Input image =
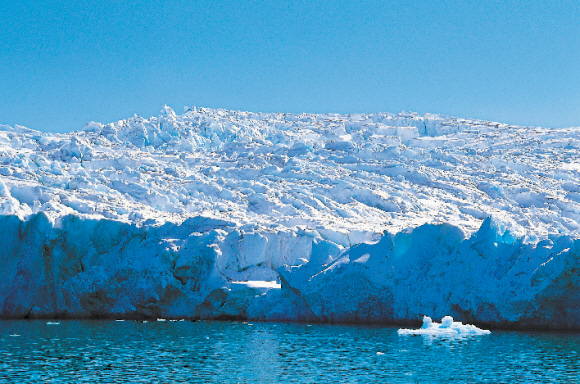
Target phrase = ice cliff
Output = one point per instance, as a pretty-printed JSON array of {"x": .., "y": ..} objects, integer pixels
[{"x": 228, "y": 214}]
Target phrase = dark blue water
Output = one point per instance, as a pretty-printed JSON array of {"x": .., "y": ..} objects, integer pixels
[{"x": 230, "y": 352}]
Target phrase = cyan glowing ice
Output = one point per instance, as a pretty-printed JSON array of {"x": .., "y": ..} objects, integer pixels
[
  {"x": 447, "y": 327},
  {"x": 228, "y": 214}
]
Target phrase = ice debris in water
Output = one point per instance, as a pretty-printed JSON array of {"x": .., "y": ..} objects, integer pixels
[{"x": 447, "y": 327}]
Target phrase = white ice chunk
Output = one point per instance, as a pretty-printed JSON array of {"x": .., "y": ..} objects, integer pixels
[{"x": 447, "y": 327}]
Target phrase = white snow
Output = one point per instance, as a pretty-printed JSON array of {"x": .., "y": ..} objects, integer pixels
[
  {"x": 344, "y": 174},
  {"x": 229, "y": 214},
  {"x": 447, "y": 327},
  {"x": 258, "y": 284}
]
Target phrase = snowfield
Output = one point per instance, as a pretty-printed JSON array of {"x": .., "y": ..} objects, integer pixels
[{"x": 228, "y": 214}]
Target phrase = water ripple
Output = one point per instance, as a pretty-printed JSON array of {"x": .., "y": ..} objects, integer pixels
[{"x": 218, "y": 352}]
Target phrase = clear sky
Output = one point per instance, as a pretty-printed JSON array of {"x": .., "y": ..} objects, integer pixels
[{"x": 64, "y": 63}]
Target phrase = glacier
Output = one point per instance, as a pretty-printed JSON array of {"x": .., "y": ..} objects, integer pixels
[{"x": 217, "y": 214}]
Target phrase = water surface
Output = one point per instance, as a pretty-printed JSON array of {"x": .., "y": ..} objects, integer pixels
[{"x": 230, "y": 352}]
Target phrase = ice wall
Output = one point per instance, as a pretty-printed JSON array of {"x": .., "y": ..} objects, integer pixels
[
  {"x": 104, "y": 268},
  {"x": 204, "y": 268},
  {"x": 490, "y": 277}
]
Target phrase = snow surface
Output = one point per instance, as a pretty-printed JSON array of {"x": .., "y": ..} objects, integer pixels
[
  {"x": 228, "y": 214},
  {"x": 447, "y": 327}
]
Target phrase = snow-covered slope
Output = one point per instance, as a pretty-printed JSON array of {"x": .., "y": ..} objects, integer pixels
[{"x": 360, "y": 218}]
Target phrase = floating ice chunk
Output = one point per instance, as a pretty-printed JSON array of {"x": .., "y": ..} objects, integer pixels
[
  {"x": 447, "y": 327},
  {"x": 53, "y": 323}
]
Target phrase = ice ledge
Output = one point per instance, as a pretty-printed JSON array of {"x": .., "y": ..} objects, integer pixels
[{"x": 257, "y": 284}]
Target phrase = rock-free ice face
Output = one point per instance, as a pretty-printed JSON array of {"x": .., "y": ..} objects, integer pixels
[
  {"x": 447, "y": 327},
  {"x": 227, "y": 214}
]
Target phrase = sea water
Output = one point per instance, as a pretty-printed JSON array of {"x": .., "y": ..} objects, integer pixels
[{"x": 246, "y": 352}]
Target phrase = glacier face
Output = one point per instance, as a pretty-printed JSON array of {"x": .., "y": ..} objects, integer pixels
[{"x": 228, "y": 214}]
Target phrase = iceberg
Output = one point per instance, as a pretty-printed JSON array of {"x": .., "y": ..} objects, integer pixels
[
  {"x": 447, "y": 327},
  {"x": 217, "y": 214}
]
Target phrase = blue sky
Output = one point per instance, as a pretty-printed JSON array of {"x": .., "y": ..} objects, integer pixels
[{"x": 64, "y": 63}]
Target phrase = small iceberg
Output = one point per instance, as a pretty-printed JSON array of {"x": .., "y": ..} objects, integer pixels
[{"x": 447, "y": 327}]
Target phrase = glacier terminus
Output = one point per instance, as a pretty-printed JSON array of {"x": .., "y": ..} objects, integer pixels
[{"x": 217, "y": 214}]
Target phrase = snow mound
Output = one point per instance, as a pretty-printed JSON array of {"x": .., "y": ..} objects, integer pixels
[{"x": 447, "y": 327}]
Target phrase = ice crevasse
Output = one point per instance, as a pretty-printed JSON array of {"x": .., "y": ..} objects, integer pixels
[{"x": 217, "y": 214}]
